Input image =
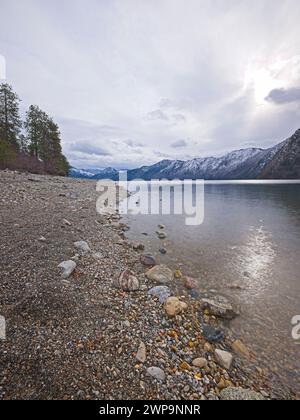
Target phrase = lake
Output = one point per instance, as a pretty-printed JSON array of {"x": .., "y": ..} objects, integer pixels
[{"x": 248, "y": 249}]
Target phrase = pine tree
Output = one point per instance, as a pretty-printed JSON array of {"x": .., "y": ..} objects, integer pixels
[
  {"x": 44, "y": 141},
  {"x": 10, "y": 122}
]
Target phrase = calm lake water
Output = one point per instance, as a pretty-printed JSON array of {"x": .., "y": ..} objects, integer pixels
[{"x": 251, "y": 238}]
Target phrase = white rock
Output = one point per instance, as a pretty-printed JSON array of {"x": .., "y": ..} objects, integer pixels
[
  {"x": 224, "y": 358},
  {"x": 156, "y": 373},
  {"x": 68, "y": 267},
  {"x": 82, "y": 246}
]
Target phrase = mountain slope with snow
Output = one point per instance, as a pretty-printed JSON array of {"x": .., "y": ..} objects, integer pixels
[{"x": 281, "y": 161}]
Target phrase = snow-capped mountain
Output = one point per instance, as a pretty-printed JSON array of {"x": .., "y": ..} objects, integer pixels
[
  {"x": 280, "y": 161},
  {"x": 81, "y": 173}
]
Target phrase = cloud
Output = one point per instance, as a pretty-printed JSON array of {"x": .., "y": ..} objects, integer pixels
[
  {"x": 89, "y": 149},
  {"x": 158, "y": 114},
  {"x": 284, "y": 96},
  {"x": 179, "y": 144},
  {"x": 119, "y": 97}
]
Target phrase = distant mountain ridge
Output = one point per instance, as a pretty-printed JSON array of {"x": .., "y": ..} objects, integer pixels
[{"x": 279, "y": 162}]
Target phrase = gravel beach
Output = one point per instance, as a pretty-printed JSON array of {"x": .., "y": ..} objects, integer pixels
[{"x": 90, "y": 329}]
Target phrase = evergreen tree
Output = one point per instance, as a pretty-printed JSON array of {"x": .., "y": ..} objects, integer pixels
[
  {"x": 10, "y": 122},
  {"x": 44, "y": 141}
]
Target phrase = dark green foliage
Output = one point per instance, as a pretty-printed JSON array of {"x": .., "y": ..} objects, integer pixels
[
  {"x": 10, "y": 122},
  {"x": 39, "y": 149}
]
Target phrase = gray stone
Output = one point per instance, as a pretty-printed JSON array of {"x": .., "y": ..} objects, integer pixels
[
  {"x": 160, "y": 274},
  {"x": 82, "y": 246},
  {"x": 161, "y": 292},
  {"x": 68, "y": 267},
  {"x": 240, "y": 394},
  {"x": 220, "y": 307},
  {"x": 156, "y": 373},
  {"x": 141, "y": 353}
]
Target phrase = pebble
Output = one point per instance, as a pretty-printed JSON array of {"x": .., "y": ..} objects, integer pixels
[
  {"x": 156, "y": 373},
  {"x": 82, "y": 246},
  {"x": 212, "y": 334},
  {"x": 224, "y": 358},
  {"x": 160, "y": 274},
  {"x": 68, "y": 267},
  {"x": 148, "y": 260},
  {"x": 220, "y": 307},
  {"x": 200, "y": 362},
  {"x": 174, "y": 306},
  {"x": 128, "y": 281},
  {"x": 141, "y": 353},
  {"x": 161, "y": 292},
  {"x": 240, "y": 349}
]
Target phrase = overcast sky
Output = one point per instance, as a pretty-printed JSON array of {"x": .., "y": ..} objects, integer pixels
[{"x": 131, "y": 82}]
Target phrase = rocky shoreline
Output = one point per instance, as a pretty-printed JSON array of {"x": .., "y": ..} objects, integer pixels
[{"x": 89, "y": 315}]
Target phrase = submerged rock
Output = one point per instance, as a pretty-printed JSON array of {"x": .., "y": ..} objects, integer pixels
[
  {"x": 240, "y": 349},
  {"x": 160, "y": 274},
  {"x": 161, "y": 292},
  {"x": 148, "y": 260},
  {"x": 212, "y": 335},
  {"x": 68, "y": 267},
  {"x": 163, "y": 251},
  {"x": 161, "y": 235},
  {"x": 220, "y": 307},
  {"x": 240, "y": 394}
]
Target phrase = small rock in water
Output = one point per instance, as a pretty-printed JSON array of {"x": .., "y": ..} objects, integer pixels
[
  {"x": 161, "y": 235},
  {"x": 161, "y": 227},
  {"x": 212, "y": 335},
  {"x": 163, "y": 251},
  {"x": 190, "y": 283},
  {"x": 240, "y": 394},
  {"x": 141, "y": 353},
  {"x": 82, "y": 246},
  {"x": 162, "y": 292},
  {"x": 156, "y": 373},
  {"x": 128, "y": 281},
  {"x": 148, "y": 260},
  {"x": 138, "y": 246},
  {"x": 224, "y": 358},
  {"x": 200, "y": 362},
  {"x": 160, "y": 274},
  {"x": 220, "y": 307},
  {"x": 68, "y": 267},
  {"x": 239, "y": 348}
]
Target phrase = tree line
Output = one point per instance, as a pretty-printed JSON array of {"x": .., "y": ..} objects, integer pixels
[{"x": 33, "y": 145}]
